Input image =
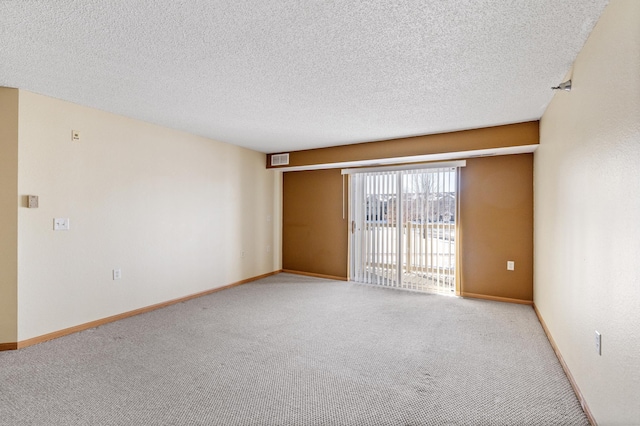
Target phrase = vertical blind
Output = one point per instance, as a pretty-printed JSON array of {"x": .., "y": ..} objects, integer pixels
[{"x": 404, "y": 228}]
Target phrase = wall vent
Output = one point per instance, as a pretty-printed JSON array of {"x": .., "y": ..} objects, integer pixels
[{"x": 280, "y": 159}]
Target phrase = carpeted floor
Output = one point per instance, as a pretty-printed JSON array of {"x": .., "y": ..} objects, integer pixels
[{"x": 291, "y": 350}]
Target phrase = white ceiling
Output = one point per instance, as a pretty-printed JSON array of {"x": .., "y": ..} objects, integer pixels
[{"x": 280, "y": 75}]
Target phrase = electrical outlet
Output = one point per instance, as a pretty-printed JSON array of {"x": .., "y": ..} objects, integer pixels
[
  {"x": 511, "y": 265},
  {"x": 598, "y": 343},
  {"x": 117, "y": 274},
  {"x": 61, "y": 224}
]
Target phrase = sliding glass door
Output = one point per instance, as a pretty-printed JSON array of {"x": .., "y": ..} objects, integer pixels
[{"x": 403, "y": 228}]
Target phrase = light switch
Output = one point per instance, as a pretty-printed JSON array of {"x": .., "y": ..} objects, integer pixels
[
  {"x": 511, "y": 265},
  {"x": 61, "y": 224},
  {"x": 33, "y": 202},
  {"x": 75, "y": 136}
]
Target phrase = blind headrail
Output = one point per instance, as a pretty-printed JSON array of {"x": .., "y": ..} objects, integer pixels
[{"x": 438, "y": 165}]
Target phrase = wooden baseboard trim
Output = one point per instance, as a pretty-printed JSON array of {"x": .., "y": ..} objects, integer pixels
[
  {"x": 96, "y": 323},
  {"x": 574, "y": 385},
  {"x": 12, "y": 346},
  {"x": 496, "y": 298},
  {"x": 311, "y": 274}
]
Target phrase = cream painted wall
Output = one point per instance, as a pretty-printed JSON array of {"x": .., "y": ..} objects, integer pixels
[
  {"x": 587, "y": 217},
  {"x": 8, "y": 214},
  {"x": 172, "y": 210}
]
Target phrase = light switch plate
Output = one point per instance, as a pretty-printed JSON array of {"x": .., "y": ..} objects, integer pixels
[
  {"x": 33, "y": 202},
  {"x": 61, "y": 224},
  {"x": 75, "y": 136},
  {"x": 511, "y": 265}
]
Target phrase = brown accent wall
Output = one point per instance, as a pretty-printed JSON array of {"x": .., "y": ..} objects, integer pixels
[
  {"x": 496, "y": 225},
  {"x": 466, "y": 140},
  {"x": 496, "y": 217},
  {"x": 314, "y": 233},
  {"x": 8, "y": 215}
]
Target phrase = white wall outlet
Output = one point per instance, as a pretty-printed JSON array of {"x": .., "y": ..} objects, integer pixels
[
  {"x": 598, "y": 343},
  {"x": 117, "y": 274},
  {"x": 511, "y": 265},
  {"x": 61, "y": 224}
]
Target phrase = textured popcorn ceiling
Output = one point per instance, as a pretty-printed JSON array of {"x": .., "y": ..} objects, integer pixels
[{"x": 279, "y": 75}]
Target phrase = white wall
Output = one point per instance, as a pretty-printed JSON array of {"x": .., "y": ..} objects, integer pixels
[
  {"x": 172, "y": 210},
  {"x": 587, "y": 217}
]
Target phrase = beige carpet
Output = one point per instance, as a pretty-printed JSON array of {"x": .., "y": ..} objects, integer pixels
[{"x": 290, "y": 350}]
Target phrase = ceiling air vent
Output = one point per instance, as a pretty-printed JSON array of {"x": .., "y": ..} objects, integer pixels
[{"x": 280, "y": 159}]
